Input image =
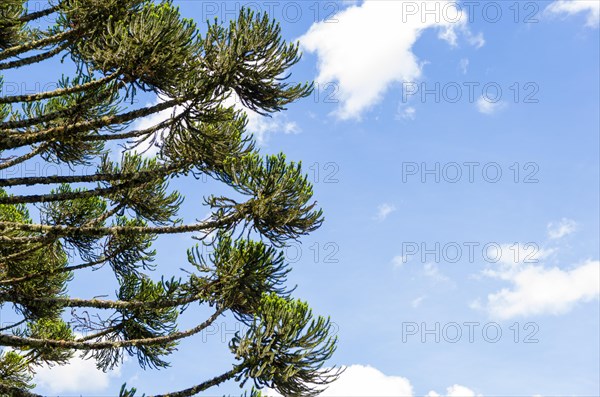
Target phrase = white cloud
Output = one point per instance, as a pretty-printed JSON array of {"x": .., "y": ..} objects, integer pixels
[
  {"x": 78, "y": 375},
  {"x": 561, "y": 229},
  {"x": 383, "y": 211},
  {"x": 476, "y": 40},
  {"x": 455, "y": 391},
  {"x": 464, "y": 65},
  {"x": 486, "y": 106},
  {"x": 571, "y": 7},
  {"x": 361, "y": 381},
  {"x": 399, "y": 260},
  {"x": 407, "y": 113},
  {"x": 364, "y": 380},
  {"x": 512, "y": 255},
  {"x": 431, "y": 270},
  {"x": 367, "y": 60},
  {"x": 415, "y": 303},
  {"x": 537, "y": 290}
]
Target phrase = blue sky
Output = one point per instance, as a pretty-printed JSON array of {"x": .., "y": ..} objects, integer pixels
[{"x": 456, "y": 157}]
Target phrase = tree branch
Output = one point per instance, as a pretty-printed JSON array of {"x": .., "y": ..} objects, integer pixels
[
  {"x": 25, "y": 157},
  {"x": 58, "y": 231},
  {"x": 133, "y": 180},
  {"x": 13, "y": 139},
  {"x": 39, "y": 14},
  {"x": 54, "y": 179},
  {"x": 61, "y": 91},
  {"x": 33, "y": 343},
  {"x": 85, "y": 104},
  {"x": 32, "y": 276},
  {"x": 16, "y": 392},
  {"x": 217, "y": 380},
  {"x": 30, "y": 45},
  {"x": 108, "y": 304},
  {"x": 35, "y": 58},
  {"x": 13, "y": 325}
]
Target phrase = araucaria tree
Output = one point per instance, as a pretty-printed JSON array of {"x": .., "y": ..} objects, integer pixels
[{"x": 54, "y": 225}]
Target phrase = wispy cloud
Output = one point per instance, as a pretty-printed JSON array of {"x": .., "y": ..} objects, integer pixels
[
  {"x": 564, "y": 227},
  {"x": 572, "y": 7},
  {"x": 407, "y": 113},
  {"x": 399, "y": 261},
  {"x": 431, "y": 270},
  {"x": 383, "y": 211},
  {"x": 415, "y": 303},
  {"x": 464, "y": 65},
  {"x": 488, "y": 107}
]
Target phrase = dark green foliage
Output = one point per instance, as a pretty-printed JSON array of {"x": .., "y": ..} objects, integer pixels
[
  {"x": 21, "y": 261},
  {"x": 250, "y": 58},
  {"x": 107, "y": 217},
  {"x": 10, "y": 26},
  {"x": 75, "y": 213},
  {"x": 153, "y": 47},
  {"x": 208, "y": 145},
  {"x": 127, "y": 252},
  {"x": 280, "y": 208},
  {"x": 241, "y": 272},
  {"x": 285, "y": 348},
  {"x": 14, "y": 371},
  {"x": 151, "y": 200},
  {"x": 49, "y": 329},
  {"x": 141, "y": 323},
  {"x": 75, "y": 107}
]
